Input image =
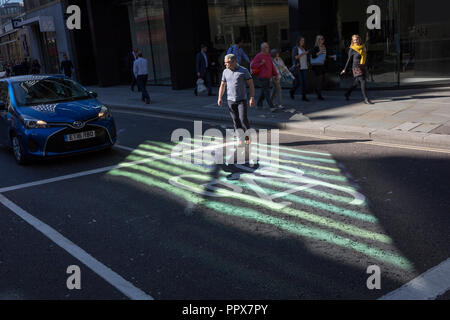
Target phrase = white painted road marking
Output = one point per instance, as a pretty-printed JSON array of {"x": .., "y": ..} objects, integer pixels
[
  {"x": 427, "y": 286},
  {"x": 127, "y": 288},
  {"x": 109, "y": 168}
]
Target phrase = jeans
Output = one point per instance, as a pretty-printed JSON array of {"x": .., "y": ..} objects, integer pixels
[
  {"x": 142, "y": 82},
  {"x": 238, "y": 111},
  {"x": 265, "y": 92},
  {"x": 277, "y": 91},
  {"x": 300, "y": 78}
]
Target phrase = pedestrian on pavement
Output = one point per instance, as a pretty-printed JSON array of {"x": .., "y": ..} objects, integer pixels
[
  {"x": 25, "y": 66},
  {"x": 358, "y": 55},
  {"x": 17, "y": 69},
  {"x": 318, "y": 61},
  {"x": 238, "y": 52},
  {"x": 285, "y": 76},
  {"x": 67, "y": 66},
  {"x": 35, "y": 67},
  {"x": 132, "y": 56},
  {"x": 299, "y": 67},
  {"x": 235, "y": 78},
  {"x": 140, "y": 70},
  {"x": 202, "y": 66},
  {"x": 263, "y": 68}
]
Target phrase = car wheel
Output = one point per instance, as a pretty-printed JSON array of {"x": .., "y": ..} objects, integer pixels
[{"x": 18, "y": 151}]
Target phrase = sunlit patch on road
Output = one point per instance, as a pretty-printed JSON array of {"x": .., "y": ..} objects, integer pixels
[{"x": 304, "y": 194}]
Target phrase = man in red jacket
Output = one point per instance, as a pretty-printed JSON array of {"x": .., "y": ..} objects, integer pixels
[{"x": 263, "y": 68}]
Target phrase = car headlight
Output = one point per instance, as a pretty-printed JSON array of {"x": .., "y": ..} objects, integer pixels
[
  {"x": 104, "y": 113},
  {"x": 31, "y": 123}
]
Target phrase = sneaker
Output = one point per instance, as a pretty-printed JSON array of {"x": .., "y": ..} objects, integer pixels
[
  {"x": 273, "y": 109},
  {"x": 280, "y": 107},
  {"x": 367, "y": 101},
  {"x": 320, "y": 98}
]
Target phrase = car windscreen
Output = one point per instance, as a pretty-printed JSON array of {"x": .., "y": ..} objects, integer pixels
[{"x": 48, "y": 90}]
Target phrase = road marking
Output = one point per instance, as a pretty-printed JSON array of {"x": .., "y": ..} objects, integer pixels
[
  {"x": 113, "y": 278},
  {"x": 427, "y": 286},
  {"x": 104, "y": 169},
  {"x": 381, "y": 144}
]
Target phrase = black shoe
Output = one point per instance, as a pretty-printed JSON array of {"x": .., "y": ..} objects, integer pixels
[
  {"x": 305, "y": 99},
  {"x": 195, "y": 92},
  {"x": 367, "y": 101},
  {"x": 347, "y": 97},
  {"x": 292, "y": 95},
  {"x": 320, "y": 98},
  {"x": 147, "y": 101}
]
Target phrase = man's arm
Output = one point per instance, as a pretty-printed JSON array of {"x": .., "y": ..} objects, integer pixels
[
  {"x": 245, "y": 56},
  {"x": 252, "y": 92},
  {"x": 221, "y": 92},
  {"x": 135, "y": 69}
]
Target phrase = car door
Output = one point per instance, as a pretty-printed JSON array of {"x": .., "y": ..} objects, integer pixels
[{"x": 4, "y": 98}]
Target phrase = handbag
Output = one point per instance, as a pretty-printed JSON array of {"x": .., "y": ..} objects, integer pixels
[
  {"x": 201, "y": 86},
  {"x": 319, "y": 60}
]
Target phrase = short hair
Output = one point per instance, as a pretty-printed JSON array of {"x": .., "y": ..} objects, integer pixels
[
  {"x": 238, "y": 40},
  {"x": 263, "y": 44},
  {"x": 230, "y": 57},
  {"x": 203, "y": 46},
  {"x": 140, "y": 54},
  {"x": 273, "y": 52}
]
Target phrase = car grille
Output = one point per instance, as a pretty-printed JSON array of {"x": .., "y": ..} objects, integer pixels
[{"x": 57, "y": 144}]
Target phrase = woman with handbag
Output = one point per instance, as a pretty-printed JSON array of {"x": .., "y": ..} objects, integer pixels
[
  {"x": 318, "y": 58},
  {"x": 358, "y": 55},
  {"x": 285, "y": 76},
  {"x": 299, "y": 67}
]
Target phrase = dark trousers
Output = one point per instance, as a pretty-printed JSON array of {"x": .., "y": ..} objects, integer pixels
[
  {"x": 300, "y": 78},
  {"x": 319, "y": 72},
  {"x": 238, "y": 111},
  {"x": 133, "y": 81},
  {"x": 362, "y": 81},
  {"x": 142, "y": 82},
  {"x": 206, "y": 76},
  {"x": 265, "y": 92}
]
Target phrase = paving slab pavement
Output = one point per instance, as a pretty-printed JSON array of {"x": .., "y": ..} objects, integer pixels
[{"x": 408, "y": 116}]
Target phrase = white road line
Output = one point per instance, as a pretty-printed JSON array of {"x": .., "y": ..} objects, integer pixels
[
  {"x": 376, "y": 143},
  {"x": 124, "y": 286},
  {"x": 104, "y": 169},
  {"x": 427, "y": 286}
]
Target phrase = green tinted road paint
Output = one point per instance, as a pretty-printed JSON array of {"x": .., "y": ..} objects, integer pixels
[
  {"x": 250, "y": 214},
  {"x": 358, "y": 199},
  {"x": 281, "y": 208}
]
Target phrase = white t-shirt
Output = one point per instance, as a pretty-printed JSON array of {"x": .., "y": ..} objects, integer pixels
[{"x": 303, "y": 60}]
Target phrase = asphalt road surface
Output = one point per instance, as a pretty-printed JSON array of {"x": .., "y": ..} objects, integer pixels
[{"x": 304, "y": 223}]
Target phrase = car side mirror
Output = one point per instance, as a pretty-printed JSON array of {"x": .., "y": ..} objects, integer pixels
[{"x": 93, "y": 94}]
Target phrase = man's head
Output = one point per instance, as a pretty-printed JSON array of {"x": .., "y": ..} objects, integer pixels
[
  {"x": 274, "y": 53},
  {"x": 230, "y": 61},
  {"x": 204, "y": 47},
  {"x": 239, "y": 41},
  {"x": 265, "y": 47},
  {"x": 139, "y": 55},
  {"x": 136, "y": 51}
]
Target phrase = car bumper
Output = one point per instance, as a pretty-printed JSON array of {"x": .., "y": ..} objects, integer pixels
[{"x": 50, "y": 142}]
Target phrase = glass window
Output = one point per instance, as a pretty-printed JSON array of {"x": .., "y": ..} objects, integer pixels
[
  {"x": 254, "y": 21},
  {"x": 49, "y": 90},
  {"x": 148, "y": 33},
  {"x": 425, "y": 41}
]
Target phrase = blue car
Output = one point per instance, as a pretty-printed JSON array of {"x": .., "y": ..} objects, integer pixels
[{"x": 48, "y": 116}]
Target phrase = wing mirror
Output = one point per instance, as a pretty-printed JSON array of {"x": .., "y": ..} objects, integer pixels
[{"x": 93, "y": 94}]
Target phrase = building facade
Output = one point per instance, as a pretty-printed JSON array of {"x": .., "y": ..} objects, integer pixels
[
  {"x": 408, "y": 40},
  {"x": 44, "y": 21}
]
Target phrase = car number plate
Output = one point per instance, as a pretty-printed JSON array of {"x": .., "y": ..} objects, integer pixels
[{"x": 80, "y": 136}]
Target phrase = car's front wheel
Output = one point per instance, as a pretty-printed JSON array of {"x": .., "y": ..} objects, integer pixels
[{"x": 18, "y": 151}]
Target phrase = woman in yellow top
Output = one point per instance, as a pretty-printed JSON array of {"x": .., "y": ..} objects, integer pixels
[{"x": 358, "y": 54}]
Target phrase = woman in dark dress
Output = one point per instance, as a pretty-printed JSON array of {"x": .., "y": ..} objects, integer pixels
[{"x": 358, "y": 55}]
